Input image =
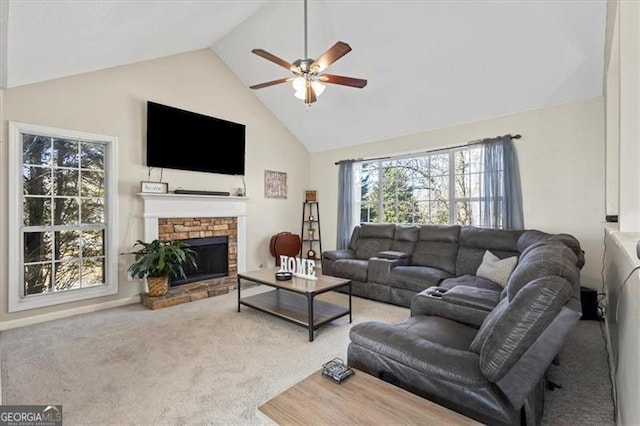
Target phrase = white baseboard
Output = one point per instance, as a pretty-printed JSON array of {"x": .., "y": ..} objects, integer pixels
[{"x": 36, "y": 319}]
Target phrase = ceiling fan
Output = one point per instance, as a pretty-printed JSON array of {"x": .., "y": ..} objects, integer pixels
[{"x": 308, "y": 73}]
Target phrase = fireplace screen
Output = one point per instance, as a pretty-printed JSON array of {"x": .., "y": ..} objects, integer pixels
[{"x": 212, "y": 260}]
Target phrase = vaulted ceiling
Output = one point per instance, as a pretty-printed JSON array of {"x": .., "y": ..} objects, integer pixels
[{"x": 429, "y": 64}]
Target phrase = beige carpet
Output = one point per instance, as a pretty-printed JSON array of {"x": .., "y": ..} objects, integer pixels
[
  {"x": 197, "y": 363},
  {"x": 203, "y": 363}
]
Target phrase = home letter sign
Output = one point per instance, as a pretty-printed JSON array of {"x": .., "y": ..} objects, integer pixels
[{"x": 302, "y": 268}]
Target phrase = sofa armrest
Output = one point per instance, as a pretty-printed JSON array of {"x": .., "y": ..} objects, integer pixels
[
  {"x": 379, "y": 269},
  {"x": 393, "y": 255},
  {"x": 339, "y": 254},
  {"x": 431, "y": 302},
  {"x": 473, "y": 297}
]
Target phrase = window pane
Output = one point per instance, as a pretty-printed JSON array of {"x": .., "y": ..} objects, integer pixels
[
  {"x": 439, "y": 188},
  {"x": 92, "y": 272},
  {"x": 65, "y": 153},
  {"x": 439, "y": 164},
  {"x": 463, "y": 186},
  {"x": 468, "y": 212},
  {"x": 92, "y": 155},
  {"x": 65, "y": 211},
  {"x": 37, "y": 247},
  {"x": 93, "y": 243},
  {"x": 439, "y": 212},
  {"x": 67, "y": 275},
  {"x": 92, "y": 184},
  {"x": 462, "y": 162},
  {"x": 92, "y": 210},
  {"x": 66, "y": 182},
  {"x": 36, "y": 150},
  {"x": 369, "y": 213},
  {"x": 37, "y": 279},
  {"x": 36, "y": 180},
  {"x": 37, "y": 211},
  {"x": 67, "y": 244},
  {"x": 369, "y": 181}
]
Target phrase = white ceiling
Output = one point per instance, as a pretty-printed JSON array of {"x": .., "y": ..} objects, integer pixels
[{"x": 428, "y": 64}]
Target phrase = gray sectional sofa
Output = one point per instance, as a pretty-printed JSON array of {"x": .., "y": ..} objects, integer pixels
[
  {"x": 476, "y": 346},
  {"x": 393, "y": 262}
]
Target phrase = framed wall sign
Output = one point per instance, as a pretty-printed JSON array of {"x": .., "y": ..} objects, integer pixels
[
  {"x": 154, "y": 187},
  {"x": 275, "y": 184}
]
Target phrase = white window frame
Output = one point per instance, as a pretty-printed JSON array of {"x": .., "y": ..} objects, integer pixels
[{"x": 17, "y": 301}]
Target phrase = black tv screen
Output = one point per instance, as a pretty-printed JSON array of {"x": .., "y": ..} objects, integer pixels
[{"x": 185, "y": 140}]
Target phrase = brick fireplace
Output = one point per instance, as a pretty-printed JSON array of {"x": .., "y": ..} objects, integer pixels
[{"x": 188, "y": 217}]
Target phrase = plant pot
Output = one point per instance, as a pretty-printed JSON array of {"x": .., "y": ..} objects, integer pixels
[{"x": 158, "y": 286}]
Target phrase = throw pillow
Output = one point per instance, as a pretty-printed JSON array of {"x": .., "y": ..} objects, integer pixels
[{"x": 495, "y": 269}]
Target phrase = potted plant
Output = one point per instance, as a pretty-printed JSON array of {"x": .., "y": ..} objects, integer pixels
[{"x": 158, "y": 261}]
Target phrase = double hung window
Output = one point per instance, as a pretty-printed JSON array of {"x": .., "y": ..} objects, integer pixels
[{"x": 62, "y": 216}]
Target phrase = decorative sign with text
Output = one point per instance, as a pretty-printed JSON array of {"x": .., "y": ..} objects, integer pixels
[
  {"x": 301, "y": 268},
  {"x": 275, "y": 184}
]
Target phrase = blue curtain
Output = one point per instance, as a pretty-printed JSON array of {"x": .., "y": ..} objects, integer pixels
[
  {"x": 501, "y": 191},
  {"x": 345, "y": 204}
]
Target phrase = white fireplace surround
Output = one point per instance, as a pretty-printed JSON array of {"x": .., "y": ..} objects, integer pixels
[{"x": 160, "y": 206}]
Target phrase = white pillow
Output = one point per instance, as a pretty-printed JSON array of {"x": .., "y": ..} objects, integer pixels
[{"x": 495, "y": 269}]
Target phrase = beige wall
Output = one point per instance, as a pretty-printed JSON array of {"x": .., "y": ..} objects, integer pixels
[
  {"x": 561, "y": 156},
  {"x": 112, "y": 102}
]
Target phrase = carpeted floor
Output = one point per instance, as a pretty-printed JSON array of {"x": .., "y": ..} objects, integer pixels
[{"x": 205, "y": 363}]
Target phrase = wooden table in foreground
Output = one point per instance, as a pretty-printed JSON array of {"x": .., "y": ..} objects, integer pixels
[
  {"x": 294, "y": 299},
  {"x": 360, "y": 400}
]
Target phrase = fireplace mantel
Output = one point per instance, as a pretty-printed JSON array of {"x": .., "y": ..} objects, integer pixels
[{"x": 170, "y": 205}]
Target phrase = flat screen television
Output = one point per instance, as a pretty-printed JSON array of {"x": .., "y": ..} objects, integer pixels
[{"x": 185, "y": 140}]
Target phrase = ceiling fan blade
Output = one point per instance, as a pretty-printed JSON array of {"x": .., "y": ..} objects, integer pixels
[
  {"x": 334, "y": 53},
  {"x": 310, "y": 95},
  {"x": 270, "y": 83},
  {"x": 344, "y": 81},
  {"x": 273, "y": 58}
]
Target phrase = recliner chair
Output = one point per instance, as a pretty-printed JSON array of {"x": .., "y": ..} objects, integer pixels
[{"x": 494, "y": 374}]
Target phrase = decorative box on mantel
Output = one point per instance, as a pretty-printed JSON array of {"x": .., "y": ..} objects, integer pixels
[{"x": 210, "y": 211}]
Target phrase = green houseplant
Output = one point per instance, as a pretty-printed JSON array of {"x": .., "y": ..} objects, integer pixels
[{"x": 158, "y": 261}]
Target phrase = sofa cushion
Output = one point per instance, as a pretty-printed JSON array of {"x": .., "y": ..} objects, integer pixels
[
  {"x": 352, "y": 269},
  {"x": 405, "y": 238},
  {"x": 416, "y": 278},
  {"x": 475, "y": 241},
  {"x": 437, "y": 247},
  {"x": 471, "y": 281},
  {"x": 374, "y": 238},
  {"x": 505, "y": 337},
  {"x": 495, "y": 269}
]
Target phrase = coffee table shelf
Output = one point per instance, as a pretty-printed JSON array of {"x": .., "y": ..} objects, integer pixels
[
  {"x": 293, "y": 307},
  {"x": 294, "y": 300}
]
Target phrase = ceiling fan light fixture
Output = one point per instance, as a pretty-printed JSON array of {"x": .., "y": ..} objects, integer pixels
[
  {"x": 318, "y": 87},
  {"x": 299, "y": 84}
]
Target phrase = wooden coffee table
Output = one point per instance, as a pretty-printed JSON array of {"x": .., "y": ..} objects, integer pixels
[
  {"x": 294, "y": 300},
  {"x": 360, "y": 400}
]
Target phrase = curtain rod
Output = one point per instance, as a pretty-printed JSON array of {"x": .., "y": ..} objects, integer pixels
[{"x": 477, "y": 141}]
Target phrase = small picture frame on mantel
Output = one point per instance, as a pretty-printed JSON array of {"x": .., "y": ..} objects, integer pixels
[{"x": 154, "y": 187}]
